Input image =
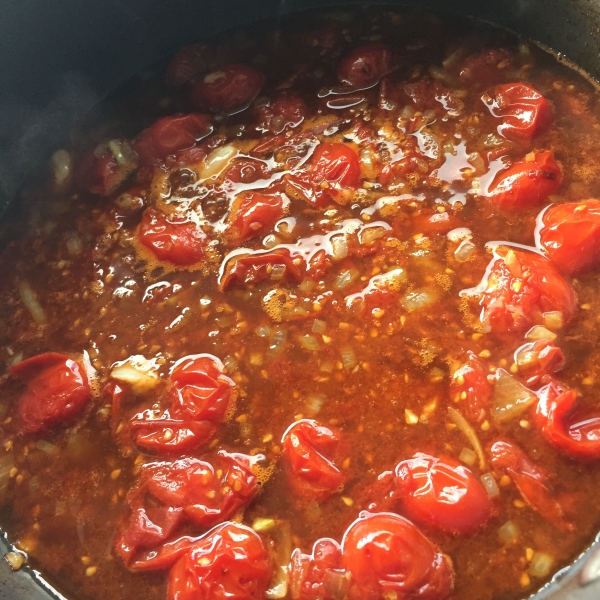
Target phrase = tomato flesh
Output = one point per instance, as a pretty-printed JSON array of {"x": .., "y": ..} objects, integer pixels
[
  {"x": 471, "y": 388},
  {"x": 365, "y": 65},
  {"x": 255, "y": 213}
]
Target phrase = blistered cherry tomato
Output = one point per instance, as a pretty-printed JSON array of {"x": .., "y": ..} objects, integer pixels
[
  {"x": 228, "y": 89},
  {"x": 523, "y": 110},
  {"x": 102, "y": 174},
  {"x": 485, "y": 67},
  {"x": 247, "y": 170},
  {"x": 200, "y": 389},
  {"x": 230, "y": 562},
  {"x": 333, "y": 162},
  {"x": 57, "y": 391},
  {"x": 569, "y": 234},
  {"x": 519, "y": 287},
  {"x": 471, "y": 388},
  {"x": 310, "y": 450},
  {"x": 282, "y": 114},
  {"x": 385, "y": 554},
  {"x": 531, "y": 481},
  {"x": 254, "y": 213},
  {"x": 526, "y": 183},
  {"x": 170, "y": 135},
  {"x": 568, "y": 426},
  {"x": 178, "y": 242},
  {"x": 253, "y": 268},
  {"x": 442, "y": 494},
  {"x": 365, "y": 65},
  {"x": 188, "y": 64}
]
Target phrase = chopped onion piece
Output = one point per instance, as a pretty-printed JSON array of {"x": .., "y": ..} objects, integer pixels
[
  {"x": 541, "y": 564},
  {"x": 263, "y": 524},
  {"x": 15, "y": 559},
  {"x": 465, "y": 251},
  {"x": 418, "y": 299},
  {"x": 138, "y": 372},
  {"x": 264, "y": 331},
  {"x": 348, "y": 357},
  {"x": 469, "y": 433},
  {"x": 230, "y": 364},
  {"x": 314, "y": 403},
  {"x": 306, "y": 286},
  {"x": 370, "y": 234},
  {"x": 46, "y": 447},
  {"x": 62, "y": 166},
  {"x": 327, "y": 366},
  {"x": 511, "y": 398},
  {"x": 123, "y": 152},
  {"x": 490, "y": 485},
  {"x": 537, "y": 332},
  {"x": 7, "y": 464},
  {"x": 509, "y": 533},
  {"x": 345, "y": 278},
  {"x": 31, "y": 302},
  {"x": 309, "y": 342},
  {"x": 74, "y": 245},
  {"x": 339, "y": 245},
  {"x": 553, "y": 320},
  {"x": 277, "y": 344},
  {"x": 217, "y": 160},
  {"x": 442, "y": 75},
  {"x": 282, "y": 552},
  {"x": 319, "y": 326},
  {"x": 278, "y": 272},
  {"x": 468, "y": 456}
]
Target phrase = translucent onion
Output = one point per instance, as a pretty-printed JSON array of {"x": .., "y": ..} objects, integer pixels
[
  {"x": 137, "y": 372},
  {"x": 553, "y": 320},
  {"x": 443, "y": 75},
  {"x": 345, "y": 278},
  {"x": 123, "y": 152},
  {"x": 467, "y": 456},
  {"x": 348, "y": 358},
  {"x": 277, "y": 344},
  {"x": 339, "y": 245},
  {"x": 281, "y": 536},
  {"x": 31, "y": 303},
  {"x": 537, "y": 332},
  {"x": 418, "y": 299},
  {"x": 62, "y": 166},
  {"x": 309, "y": 342},
  {"x": 457, "y": 418},
  {"x": 541, "y": 564},
  {"x": 46, "y": 447},
  {"x": 230, "y": 363},
  {"x": 509, "y": 533},
  {"x": 465, "y": 251},
  {"x": 490, "y": 485},
  {"x": 74, "y": 244},
  {"x": 217, "y": 160},
  {"x": 511, "y": 398},
  {"x": 319, "y": 326},
  {"x": 7, "y": 464},
  {"x": 370, "y": 234},
  {"x": 314, "y": 403},
  {"x": 277, "y": 272},
  {"x": 264, "y": 331},
  {"x": 327, "y": 366},
  {"x": 306, "y": 286}
]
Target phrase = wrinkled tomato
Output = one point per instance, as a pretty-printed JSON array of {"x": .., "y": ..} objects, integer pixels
[
  {"x": 102, "y": 174},
  {"x": 282, "y": 114},
  {"x": 569, "y": 234},
  {"x": 57, "y": 391},
  {"x": 470, "y": 387},
  {"x": 178, "y": 242},
  {"x": 366, "y": 65},
  {"x": 255, "y": 213},
  {"x": 247, "y": 170},
  {"x": 485, "y": 67},
  {"x": 188, "y": 64}
]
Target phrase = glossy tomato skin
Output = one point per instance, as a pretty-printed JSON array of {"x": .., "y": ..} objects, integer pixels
[
  {"x": 565, "y": 425},
  {"x": 170, "y": 135},
  {"x": 523, "y": 110},
  {"x": 309, "y": 451},
  {"x": 230, "y": 562},
  {"x": 282, "y": 114},
  {"x": 200, "y": 389},
  {"x": 229, "y": 89},
  {"x": 569, "y": 235},
  {"x": 443, "y": 494},
  {"x": 256, "y": 213},
  {"x": 486, "y": 67},
  {"x": 178, "y": 242},
  {"x": 334, "y": 162},
  {"x": 518, "y": 288},
  {"x": 386, "y": 553},
  {"x": 188, "y": 64},
  {"x": 366, "y": 65},
  {"x": 537, "y": 359},
  {"x": 247, "y": 170},
  {"x": 57, "y": 391},
  {"x": 471, "y": 381},
  {"x": 531, "y": 480},
  {"x": 526, "y": 183}
]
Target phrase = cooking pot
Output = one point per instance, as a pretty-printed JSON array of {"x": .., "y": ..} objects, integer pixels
[{"x": 58, "y": 59}]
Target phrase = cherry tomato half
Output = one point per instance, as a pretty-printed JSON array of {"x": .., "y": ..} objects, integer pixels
[
  {"x": 229, "y": 89},
  {"x": 337, "y": 163},
  {"x": 519, "y": 286},
  {"x": 309, "y": 450},
  {"x": 386, "y": 553},
  {"x": 470, "y": 387},
  {"x": 230, "y": 562},
  {"x": 170, "y": 135},
  {"x": 254, "y": 213},
  {"x": 57, "y": 391},
  {"x": 523, "y": 110},
  {"x": 569, "y": 234},
  {"x": 200, "y": 390},
  {"x": 531, "y": 481},
  {"x": 178, "y": 242},
  {"x": 567, "y": 426},
  {"x": 442, "y": 494},
  {"x": 189, "y": 63},
  {"x": 526, "y": 183},
  {"x": 365, "y": 65}
]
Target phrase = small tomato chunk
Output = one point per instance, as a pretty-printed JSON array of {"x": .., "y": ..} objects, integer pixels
[
  {"x": 168, "y": 436},
  {"x": 230, "y": 561},
  {"x": 526, "y": 183},
  {"x": 229, "y": 89},
  {"x": 310, "y": 451},
  {"x": 471, "y": 388},
  {"x": 519, "y": 286},
  {"x": 536, "y": 359},
  {"x": 569, "y": 234},
  {"x": 178, "y": 242},
  {"x": 523, "y": 110},
  {"x": 100, "y": 173},
  {"x": 443, "y": 494},
  {"x": 188, "y": 64},
  {"x": 365, "y": 65},
  {"x": 282, "y": 114},
  {"x": 386, "y": 553},
  {"x": 486, "y": 67},
  {"x": 255, "y": 213},
  {"x": 57, "y": 391}
]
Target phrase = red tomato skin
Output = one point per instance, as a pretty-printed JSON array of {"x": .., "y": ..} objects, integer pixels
[
  {"x": 523, "y": 110},
  {"x": 57, "y": 391},
  {"x": 541, "y": 288},
  {"x": 200, "y": 389},
  {"x": 366, "y": 65},
  {"x": 531, "y": 481},
  {"x": 230, "y": 562},
  {"x": 309, "y": 450},
  {"x": 544, "y": 358},
  {"x": 247, "y": 170},
  {"x": 190, "y": 62},
  {"x": 334, "y": 162},
  {"x": 443, "y": 494},
  {"x": 167, "y": 436},
  {"x": 102, "y": 175},
  {"x": 575, "y": 432},
  {"x": 483, "y": 67},
  {"x": 255, "y": 213},
  {"x": 282, "y": 114},
  {"x": 471, "y": 379},
  {"x": 170, "y": 135},
  {"x": 180, "y": 243},
  {"x": 569, "y": 235},
  {"x": 527, "y": 183},
  {"x": 230, "y": 89},
  {"x": 385, "y": 553}
]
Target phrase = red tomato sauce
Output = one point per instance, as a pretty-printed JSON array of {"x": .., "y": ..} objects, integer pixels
[{"x": 313, "y": 315}]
